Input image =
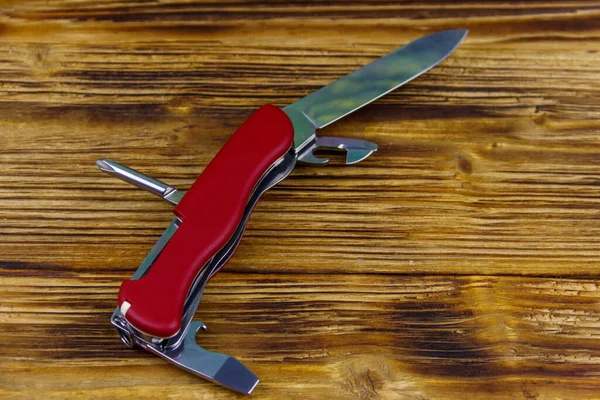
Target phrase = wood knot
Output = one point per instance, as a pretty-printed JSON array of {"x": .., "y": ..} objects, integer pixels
[
  {"x": 39, "y": 59},
  {"x": 539, "y": 117},
  {"x": 464, "y": 164},
  {"x": 364, "y": 383},
  {"x": 172, "y": 138},
  {"x": 179, "y": 105},
  {"x": 174, "y": 143}
]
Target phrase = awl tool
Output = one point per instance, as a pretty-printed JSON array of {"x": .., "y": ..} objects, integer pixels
[{"x": 157, "y": 305}]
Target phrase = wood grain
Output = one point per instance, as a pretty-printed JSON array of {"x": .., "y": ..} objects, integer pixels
[{"x": 460, "y": 260}]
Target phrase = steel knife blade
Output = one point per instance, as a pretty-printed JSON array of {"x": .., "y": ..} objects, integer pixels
[{"x": 367, "y": 84}]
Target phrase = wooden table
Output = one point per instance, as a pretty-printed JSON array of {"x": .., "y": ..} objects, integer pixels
[{"x": 462, "y": 260}]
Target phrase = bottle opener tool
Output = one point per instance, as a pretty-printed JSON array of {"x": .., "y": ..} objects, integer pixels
[{"x": 156, "y": 306}]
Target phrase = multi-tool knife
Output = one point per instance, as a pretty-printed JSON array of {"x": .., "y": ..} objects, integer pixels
[{"x": 157, "y": 305}]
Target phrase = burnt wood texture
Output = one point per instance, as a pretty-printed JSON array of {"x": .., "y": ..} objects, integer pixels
[{"x": 461, "y": 260}]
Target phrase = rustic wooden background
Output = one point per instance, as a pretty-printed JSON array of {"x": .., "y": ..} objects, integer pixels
[{"x": 462, "y": 260}]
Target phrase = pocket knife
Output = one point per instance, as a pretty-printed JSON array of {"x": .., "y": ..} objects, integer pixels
[{"x": 156, "y": 306}]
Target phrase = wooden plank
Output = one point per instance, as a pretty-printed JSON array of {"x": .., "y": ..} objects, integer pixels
[
  {"x": 460, "y": 259},
  {"x": 318, "y": 335}
]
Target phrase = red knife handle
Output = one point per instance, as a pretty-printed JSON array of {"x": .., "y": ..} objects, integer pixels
[{"x": 210, "y": 212}]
